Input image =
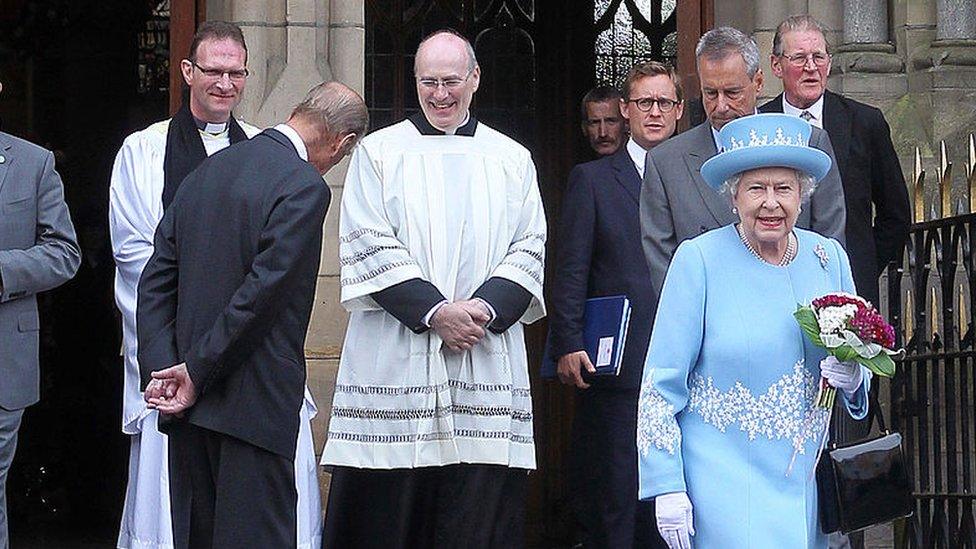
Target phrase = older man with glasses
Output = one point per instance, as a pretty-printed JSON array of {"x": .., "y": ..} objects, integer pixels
[{"x": 148, "y": 170}]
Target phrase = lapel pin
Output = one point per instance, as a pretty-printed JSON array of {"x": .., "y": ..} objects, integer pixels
[
  {"x": 2, "y": 159},
  {"x": 822, "y": 254}
]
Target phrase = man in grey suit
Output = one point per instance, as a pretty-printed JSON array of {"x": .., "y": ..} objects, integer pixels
[
  {"x": 675, "y": 202},
  {"x": 38, "y": 251}
]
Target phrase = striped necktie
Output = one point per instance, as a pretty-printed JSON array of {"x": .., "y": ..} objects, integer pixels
[{"x": 806, "y": 116}]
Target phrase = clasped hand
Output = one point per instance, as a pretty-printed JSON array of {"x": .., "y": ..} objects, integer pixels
[
  {"x": 461, "y": 325},
  {"x": 171, "y": 391}
]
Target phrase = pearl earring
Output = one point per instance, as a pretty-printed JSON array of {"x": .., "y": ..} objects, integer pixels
[{"x": 735, "y": 210}]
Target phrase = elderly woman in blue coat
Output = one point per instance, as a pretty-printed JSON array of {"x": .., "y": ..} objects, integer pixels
[{"x": 728, "y": 433}]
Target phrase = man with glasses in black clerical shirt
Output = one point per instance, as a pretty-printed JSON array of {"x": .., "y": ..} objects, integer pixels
[
  {"x": 148, "y": 169},
  {"x": 442, "y": 242},
  {"x": 600, "y": 254}
]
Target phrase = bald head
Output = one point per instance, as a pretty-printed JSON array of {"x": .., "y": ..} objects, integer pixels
[
  {"x": 447, "y": 76},
  {"x": 446, "y": 40},
  {"x": 331, "y": 120}
]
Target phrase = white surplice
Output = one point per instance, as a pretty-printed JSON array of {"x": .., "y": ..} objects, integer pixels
[
  {"x": 453, "y": 210},
  {"x": 135, "y": 208}
]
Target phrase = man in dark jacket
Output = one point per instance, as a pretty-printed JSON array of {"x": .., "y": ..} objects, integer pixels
[
  {"x": 600, "y": 255},
  {"x": 224, "y": 304}
]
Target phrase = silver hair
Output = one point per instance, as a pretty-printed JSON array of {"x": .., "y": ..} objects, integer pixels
[
  {"x": 334, "y": 107},
  {"x": 807, "y": 184},
  {"x": 722, "y": 42},
  {"x": 472, "y": 60},
  {"x": 796, "y": 23}
]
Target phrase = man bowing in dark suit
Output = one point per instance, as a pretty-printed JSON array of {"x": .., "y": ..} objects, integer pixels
[
  {"x": 224, "y": 304},
  {"x": 875, "y": 195},
  {"x": 600, "y": 255},
  {"x": 861, "y": 138}
]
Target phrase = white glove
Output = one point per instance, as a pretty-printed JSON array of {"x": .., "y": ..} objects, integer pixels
[
  {"x": 674, "y": 520},
  {"x": 842, "y": 375}
]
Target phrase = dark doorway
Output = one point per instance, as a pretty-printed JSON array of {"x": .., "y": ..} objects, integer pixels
[
  {"x": 538, "y": 58},
  {"x": 78, "y": 76}
]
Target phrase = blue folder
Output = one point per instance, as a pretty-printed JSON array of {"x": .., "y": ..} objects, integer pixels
[{"x": 605, "y": 323}]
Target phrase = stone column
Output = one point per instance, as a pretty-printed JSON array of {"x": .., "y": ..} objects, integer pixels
[
  {"x": 956, "y": 20},
  {"x": 950, "y": 65},
  {"x": 865, "y": 62},
  {"x": 866, "y": 22},
  {"x": 342, "y": 50},
  {"x": 293, "y": 45}
]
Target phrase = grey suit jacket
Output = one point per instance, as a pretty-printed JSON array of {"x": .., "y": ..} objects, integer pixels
[
  {"x": 677, "y": 204},
  {"x": 38, "y": 251}
]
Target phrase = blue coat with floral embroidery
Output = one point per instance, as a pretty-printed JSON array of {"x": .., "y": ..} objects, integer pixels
[{"x": 728, "y": 388}]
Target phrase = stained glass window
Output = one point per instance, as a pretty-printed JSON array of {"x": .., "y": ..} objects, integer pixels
[
  {"x": 630, "y": 32},
  {"x": 153, "y": 44}
]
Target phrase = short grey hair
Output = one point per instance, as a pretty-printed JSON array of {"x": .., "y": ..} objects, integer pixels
[
  {"x": 721, "y": 42},
  {"x": 796, "y": 23},
  {"x": 807, "y": 184},
  {"x": 472, "y": 60},
  {"x": 334, "y": 108}
]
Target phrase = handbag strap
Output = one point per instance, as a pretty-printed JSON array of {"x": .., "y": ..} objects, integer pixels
[{"x": 875, "y": 408}]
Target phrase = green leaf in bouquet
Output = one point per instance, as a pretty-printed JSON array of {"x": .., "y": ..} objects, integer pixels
[
  {"x": 846, "y": 353},
  {"x": 881, "y": 365},
  {"x": 807, "y": 320}
]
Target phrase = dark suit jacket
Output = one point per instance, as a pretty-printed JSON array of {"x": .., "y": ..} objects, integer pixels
[
  {"x": 600, "y": 254},
  {"x": 230, "y": 286},
  {"x": 676, "y": 204},
  {"x": 871, "y": 175},
  {"x": 38, "y": 251}
]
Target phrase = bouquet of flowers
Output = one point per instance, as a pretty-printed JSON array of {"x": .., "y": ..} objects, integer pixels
[{"x": 851, "y": 330}]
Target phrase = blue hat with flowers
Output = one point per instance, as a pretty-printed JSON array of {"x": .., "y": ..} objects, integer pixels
[{"x": 765, "y": 141}]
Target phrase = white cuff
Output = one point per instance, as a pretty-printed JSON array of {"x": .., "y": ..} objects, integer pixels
[{"x": 430, "y": 313}]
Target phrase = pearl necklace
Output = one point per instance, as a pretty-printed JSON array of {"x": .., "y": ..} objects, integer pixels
[{"x": 787, "y": 257}]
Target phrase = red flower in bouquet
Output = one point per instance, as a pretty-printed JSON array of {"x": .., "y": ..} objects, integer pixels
[{"x": 850, "y": 329}]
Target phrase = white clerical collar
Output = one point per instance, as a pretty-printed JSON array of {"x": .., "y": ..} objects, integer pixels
[
  {"x": 815, "y": 110},
  {"x": 452, "y": 131},
  {"x": 295, "y": 139},
  {"x": 210, "y": 127},
  {"x": 637, "y": 154}
]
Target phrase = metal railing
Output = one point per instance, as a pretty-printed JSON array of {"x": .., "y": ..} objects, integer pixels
[{"x": 932, "y": 398}]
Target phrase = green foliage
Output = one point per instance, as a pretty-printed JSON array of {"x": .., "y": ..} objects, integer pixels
[
  {"x": 881, "y": 365},
  {"x": 808, "y": 323}
]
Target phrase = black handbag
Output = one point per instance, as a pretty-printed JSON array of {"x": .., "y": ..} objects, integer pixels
[{"x": 864, "y": 483}]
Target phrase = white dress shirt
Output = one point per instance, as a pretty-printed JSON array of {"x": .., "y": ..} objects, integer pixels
[
  {"x": 816, "y": 110},
  {"x": 637, "y": 154},
  {"x": 295, "y": 139}
]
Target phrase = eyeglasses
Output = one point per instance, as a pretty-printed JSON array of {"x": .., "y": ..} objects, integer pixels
[
  {"x": 448, "y": 83},
  {"x": 236, "y": 75},
  {"x": 820, "y": 59},
  {"x": 645, "y": 104}
]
